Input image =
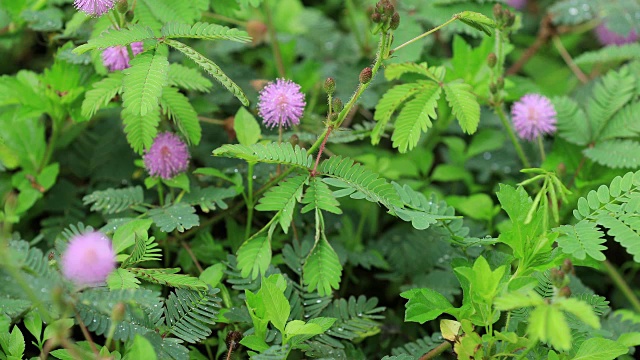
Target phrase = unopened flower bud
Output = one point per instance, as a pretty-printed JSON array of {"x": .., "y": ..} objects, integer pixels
[
  {"x": 567, "y": 266},
  {"x": 117, "y": 314},
  {"x": 376, "y": 17},
  {"x": 493, "y": 88},
  {"x": 294, "y": 140},
  {"x": 337, "y": 105},
  {"x": 497, "y": 11},
  {"x": 395, "y": 21},
  {"x": 511, "y": 20},
  {"x": 506, "y": 16},
  {"x": 365, "y": 75},
  {"x": 556, "y": 276},
  {"x": 380, "y": 7},
  {"x": 122, "y": 6},
  {"x": 389, "y": 9},
  {"x": 500, "y": 83},
  {"x": 330, "y": 86},
  {"x": 492, "y": 59},
  {"x": 564, "y": 292}
]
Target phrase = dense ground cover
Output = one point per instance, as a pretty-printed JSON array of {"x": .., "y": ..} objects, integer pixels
[{"x": 289, "y": 179}]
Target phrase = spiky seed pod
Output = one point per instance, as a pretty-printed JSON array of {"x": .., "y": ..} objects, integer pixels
[
  {"x": 376, "y": 17},
  {"x": 337, "y": 105},
  {"x": 395, "y": 21},
  {"x": 492, "y": 59},
  {"x": 497, "y": 12}
]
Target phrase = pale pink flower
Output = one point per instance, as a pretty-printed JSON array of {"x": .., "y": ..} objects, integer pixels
[
  {"x": 281, "y": 103},
  {"x": 117, "y": 57},
  {"x": 94, "y": 7},
  {"x": 609, "y": 37},
  {"x": 533, "y": 116},
  {"x": 167, "y": 157},
  {"x": 88, "y": 259}
]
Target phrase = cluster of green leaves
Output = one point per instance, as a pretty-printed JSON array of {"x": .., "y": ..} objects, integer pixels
[{"x": 609, "y": 136}]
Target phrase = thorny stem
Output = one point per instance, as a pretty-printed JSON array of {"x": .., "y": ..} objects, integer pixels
[
  {"x": 454, "y": 18},
  {"x": 437, "y": 351},
  {"x": 567, "y": 59},
  {"x": 622, "y": 285},
  {"x": 274, "y": 40},
  {"x": 324, "y": 142}
]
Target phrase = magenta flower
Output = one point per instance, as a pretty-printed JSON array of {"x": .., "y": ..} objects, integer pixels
[
  {"x": 117, "y": 57},
  {"x": 281, "y": 103},
  {"x": 608, "y": 37},
  {"x": 94, "y": 7},
  {"x": 517, "y": 4},
  {"x": 89, "y": 259},
  {"x": 167, "y": 157},
  {"x": 533, "y": 116}
]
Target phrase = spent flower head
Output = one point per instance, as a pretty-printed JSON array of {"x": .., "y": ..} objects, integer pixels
[
  {"x": 517, "y": 4},
  {"x": 167, "y": 157},
  {"x": 533, "y": 116},
  {"x": 117, "y": 57},
  {"x": 94, "y": 7},
  {"x": 609, "y": 37},
  {"x": 88, "y": 259},
  {"x": 281, "y": 103}
]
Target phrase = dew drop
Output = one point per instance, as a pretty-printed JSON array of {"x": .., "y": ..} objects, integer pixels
[
  {"x": 573, "y": 11},
  {"x": 486, "y": 155}
]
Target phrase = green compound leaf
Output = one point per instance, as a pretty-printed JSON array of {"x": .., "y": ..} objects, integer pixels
[
  {"x": 609, "y": 95},
  {"x": 477, "y": 21},
  {"x": 180, "y": 110},
  {"x": 464, "y": 105},
  {"x": 616, "y": 153},
  {"x": 390, "y": 101},
  {"x": 169, "y": 277},
  {"x": 548, "y": 324},
  {"x": 319, "y": 196},
  {"x": 254, "y": 257},
  {"x": 189, "y": 314},
  {"x": 322, "y": 270},
  {"x": 179, "y": 216},
  {"x": 582, "y": 240},
  {"x": 111, "y": 201},
  {"x": 143, "y": 82},
  {"x": 415, "y": 118},
  {"x": 102, "y": 93},
  {"x": 204, "y": 31},
  {"x": 571, "y": 121},
  {"x": 283, "y": 199},
  {"x": 211, "y": 68},
  {"x": 188, "y": 78},
  {"x": 271, "y": 153},
  {"x": 113, "y": 37},
  {"x": 141, "y": 130}
]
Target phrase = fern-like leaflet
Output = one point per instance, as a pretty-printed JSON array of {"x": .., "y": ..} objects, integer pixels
[
  {"x": 112, "y": 201},
  {"x": 189, "y": 313}
]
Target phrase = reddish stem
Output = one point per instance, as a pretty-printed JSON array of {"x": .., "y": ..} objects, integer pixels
[{"x": 314, "y": 172}]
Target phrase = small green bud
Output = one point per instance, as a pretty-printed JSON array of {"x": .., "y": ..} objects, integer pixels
[
  {"x": 564, "y": 292},
  {"x": 395, "y": 21},
  {"x": 376, "y": 17},
  {"x": 500, "y": 82},
  {"x": 497, "y": 12},
  {"x": 330, "y": 86},
  {"x": 506, "y": 15},
  {"x": 493, "y": 88},
  {"x": 556, "y": 276},
  {"x": 365, "y": 75},
  {"x": 380, "y": 7},
  {"x": 337, "y": 105},
  {"x": 123, "y": 6},
  {"x": 117, "y": 314},
  {"x": 511, "y": 20},
  {"x": 492, "y": 59}
]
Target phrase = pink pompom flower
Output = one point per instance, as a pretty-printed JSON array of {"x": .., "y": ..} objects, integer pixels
[
  {"x": 117, "y": 57},
  {"x": 533, "y": 116},
  {"x": 94, "y": 7},
  {"x": 517, "y": 4},
  {"x": 167, "y": 157},
  {"x": 609, "y": 37},
  {"x": 88, "y": 259},
  {"x": 281, "y": 104}
]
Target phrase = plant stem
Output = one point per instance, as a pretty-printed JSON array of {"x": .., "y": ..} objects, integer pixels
[
  {"x": 622, "y": 285},
  {"x": 275, "y": 45},
  {"x": 541, "y": 147},
  {"x": 51, "y": 145},
  {"x": 249, "y": 200},
  {"x": 454, "y": 18},
  {"x": 211, "y": 121},
  {"x": 437, "y": 351},
  {"x": 224, "y": 19},
  {"x": 512, "y": 136},
  {"x": 324, "y": 142},
  {"x": 567, "y": 59}
]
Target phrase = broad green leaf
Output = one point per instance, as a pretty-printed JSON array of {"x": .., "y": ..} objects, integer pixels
[
  {"x": 254, "y": 257},
  {"x": 33, "y": 323},
  {"x": 425, "y": 305},
  {"x": 276, "y": 304},
  {"x": 126, "y": 234},
  {"x": 16, "y": 343},
  {"x": 213, "y": 274},
  {"x": 600, "y": 349},
  {"x": 141, "y": 348},
  {"x": 246, "y": 127},
  {"x": 548, "y": 324},
  {"x": 579, "y": 309}
]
